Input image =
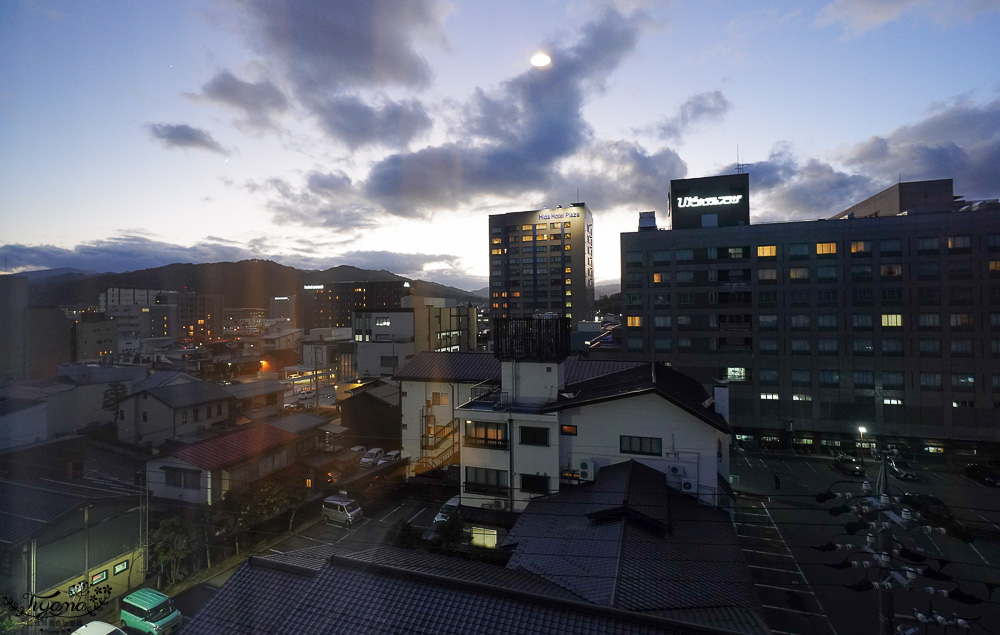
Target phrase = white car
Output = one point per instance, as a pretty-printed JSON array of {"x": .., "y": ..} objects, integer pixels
[
  {"x": 371, "y": 457},
  {"x": 306, "y": 394},
  {"x": 448, "y": 509},
  {"x": 390, "y": 456}
]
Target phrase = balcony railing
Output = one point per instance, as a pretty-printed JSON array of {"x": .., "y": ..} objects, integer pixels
[
  {"x": 489, "y": 490},
  {"x": 489, "y": 444}
]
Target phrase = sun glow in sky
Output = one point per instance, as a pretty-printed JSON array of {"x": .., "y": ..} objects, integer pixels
[{"x": 381, "y": 134}]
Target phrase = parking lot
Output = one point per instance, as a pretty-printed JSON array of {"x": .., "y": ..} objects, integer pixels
[{"x": 808, "y": 590}]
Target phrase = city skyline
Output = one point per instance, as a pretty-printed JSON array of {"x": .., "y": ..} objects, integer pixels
[{"x": 363, "y": 134}]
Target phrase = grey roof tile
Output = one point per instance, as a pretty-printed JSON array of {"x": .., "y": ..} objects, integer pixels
[
  {"x": 467, "y": 367},
  {"x": 299, "y": 422},
  {"x": 250, "y": 389},
  {"x": 189, "y": 394},
  {"x": 234, "y": 447}
]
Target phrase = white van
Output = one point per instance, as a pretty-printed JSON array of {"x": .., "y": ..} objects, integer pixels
[{"x": 341, "y": 510}]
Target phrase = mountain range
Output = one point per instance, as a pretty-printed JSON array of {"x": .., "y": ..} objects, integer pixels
[{"x": 247, "y": 283}]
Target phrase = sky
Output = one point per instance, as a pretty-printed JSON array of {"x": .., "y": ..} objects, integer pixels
[{"x": 381, "y": 134}]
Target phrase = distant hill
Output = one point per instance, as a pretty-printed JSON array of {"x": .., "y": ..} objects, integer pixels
[
  {"x": 248, "y": 283},
  {"x": 40, "y": 274}
]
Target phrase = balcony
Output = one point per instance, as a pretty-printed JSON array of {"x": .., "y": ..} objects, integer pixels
[
  {"x": 489, "y": 490},
  {"x": 487, "y": 444}
]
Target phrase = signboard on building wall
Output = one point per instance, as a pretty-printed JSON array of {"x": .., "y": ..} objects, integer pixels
[{"x": 714, "y": 201}]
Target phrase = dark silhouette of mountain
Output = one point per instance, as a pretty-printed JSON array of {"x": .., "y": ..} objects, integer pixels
[
  {"x": 51, "y": 273},
  {"x": 248, "y": 283}
]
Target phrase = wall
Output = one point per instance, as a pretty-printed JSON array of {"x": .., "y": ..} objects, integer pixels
[
  {"x": 24, "y": 426},
  {"x": 156, "y": 477}
]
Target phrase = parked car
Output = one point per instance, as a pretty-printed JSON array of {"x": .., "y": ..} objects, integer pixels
[
  {"x": 930, "y": 507},
  {"x": 306, "y": 394},
  {"x": 98, "y": 628},
  {"x": 390, "y": 456},
  {"x": 983, "y": 474},
  {"x": 449, "y": 508},
  {"x": 371, "y": 457},
  {"x": 341, "y": 510},
  {"x": 901, "y": 469},
  {"x": 848, "y": 465},
  {"x": 149, "y": 611}
]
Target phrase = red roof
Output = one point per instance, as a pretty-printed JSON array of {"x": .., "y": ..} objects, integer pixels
[{"x": 234, "y": 448}]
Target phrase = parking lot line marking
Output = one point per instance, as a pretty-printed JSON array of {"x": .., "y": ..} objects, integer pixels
[
  {"x": 936, "y": 475},
  {"x": 757, "y": 538},
  {"x": 979, "y": 554},
  {"x": 273, "y": 550},
  {"x": 417, "y": 514},
  {"x": 936, "y": 545},
  {"x": 757, "y": 566},
  {"x": 323, "y": 542},
  {"x": 781, "y": 588},
  {"x": 986, "y": 519},
  {"x": 781, "y": 608},
  {"x": 382, "y": 520},
  {"x": 811, "y": 467},
  {"x": 787, "y": 466},
  {"x": 768, "y": 553},
  {"x": 972, "y": 481}
]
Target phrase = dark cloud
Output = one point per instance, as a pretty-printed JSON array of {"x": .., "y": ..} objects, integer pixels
[
  {"x": 696, "y": 110},
  {"x": 514, "y": 137},
  {"x": 184, "y": 136},
  {"x": 331, "y": 49},
  {"x": 326, "y": 200},
  {"x": 257, "y": 101},
  {"x": 408, "y": 265},
  {"x": 392, "y": 123},
  {"x": 960, "y": 140}
]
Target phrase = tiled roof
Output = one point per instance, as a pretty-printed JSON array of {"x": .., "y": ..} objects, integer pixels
[
  {"x": 389, "y": 393},
  {"x": 467, "y": 367},
  {"x": 579, "y": 369},
  {"x": 162, "y": 377},
  {"x": 258, "y": 599},
  {"x": 255, "y": 388},
  {"x": 631, "y": 542},
  {"x": 189, "y": 394},
  {"x": 299, "y": 422},
  {"x": 678, "y": 388},
  {"x": 233, "y": 448}
]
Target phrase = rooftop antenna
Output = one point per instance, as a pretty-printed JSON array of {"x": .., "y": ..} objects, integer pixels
[{"x": 740, "y": 168}]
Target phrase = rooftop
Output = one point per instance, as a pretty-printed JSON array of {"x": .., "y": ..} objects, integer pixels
[
  {"x": 250, "y": 389},
  {"x": 235, "y": 447},
  {"x": 299, "y": 422},
  {"x": 188, "y": 394},
  {"x": 466, "y": 367}
]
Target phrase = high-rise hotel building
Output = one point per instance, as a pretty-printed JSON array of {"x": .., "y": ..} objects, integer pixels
[
  {"x": 884, "y": 317},
  {"x": 542, "y": 261}
]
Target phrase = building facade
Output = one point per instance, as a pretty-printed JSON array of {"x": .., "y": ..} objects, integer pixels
[
  {"x": 333, "y": 304},
  {"x": 886, "y": 319},
  {"x": 542, "y": 261}
]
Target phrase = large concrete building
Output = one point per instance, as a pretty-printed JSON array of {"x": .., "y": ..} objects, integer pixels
[
  {"x": 542, "y": 261},
  {"x": 887, "y": 318},
  {"x": 333, "y": 304}
]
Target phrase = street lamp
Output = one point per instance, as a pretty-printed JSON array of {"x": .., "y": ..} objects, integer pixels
[{"x": 862, "y": 430}]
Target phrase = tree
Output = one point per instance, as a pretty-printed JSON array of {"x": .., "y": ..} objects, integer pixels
[
  {"x": 609, "y": 304},
  {"x": 171, "y": 542},
  {"x": 114, "y": 395}
]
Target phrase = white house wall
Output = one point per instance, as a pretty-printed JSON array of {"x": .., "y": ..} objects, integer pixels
[
  {"x": 417, "y": 400},
  {"x": 157, "y": 480}
]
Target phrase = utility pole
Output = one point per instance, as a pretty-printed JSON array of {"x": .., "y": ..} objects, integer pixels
[{"x": 886, "y": 600}]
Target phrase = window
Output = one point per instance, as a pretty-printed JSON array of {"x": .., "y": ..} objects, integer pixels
[
  {"x": 685, "y": 276},
  {"x": 767, "y": 251},
  {"x": 826, "y": 248},
  {"x": 826, "y": 322},
  {"x": 187, "y": 479},
  {"x": 890, "y": 246},
  {"x": 768, "y": 376},
  {"x": 685, "y": 298},
  {"x": 891, "y": 401},
  {"x": 928, "y": 271},
  {"x": 892, "y": 296},
  {"x": 826, "y": 272},
  {"x": 634, "y": 343},
  {"x": 634, "y": 258},
  {"x": 535, "y": 483},
  {"x": 861, "y": 247},
  {"x": 661, "y": 299},
  {"x": 767, "y": 297},
  {"x": 864, "y": 379},
  {"x": 800, "y": 345},
  {"x": 661, "y": 256},
  {"x": 961, "y": 295},
  {"x": 567, "y": 430},
  {"x": 892, "y": 320},
  {"x": 531, "y": 435},
  {"x": 930, "y": 380},
  {"x": 481, "y": 480},
  {"x": 798, "y": 250},
  {"x": 929, "y": 346},
  {"x": 959, "y": 242},
  {"x": 995, "y": 266},
  {"x": 863, "y": 346},
  {"x": 735, "y": 253},
  {"x": 769, "y": 396},
  {"x": 634, "y": 321},
  {"x": 929, "y": 296},
  {"x": 892, "y": 379},
  {"x": 892, "y": 346},
  {"x": 660, "y": 278},
  {"x": 798, "y": 273},
  {"x": 829, "y": 378},
  {"x": 767, "y": 345},
  {"x": 800, "y": 377},
  {"x": 929, "y": 320},
  {"x": 767, "y": 274},
  {"x": 661, "y": 321},
  {"x": 800, "y": 321},
  {"x": 891, "y": 271},
  {"x": 685, "y": 254},
  {"x": 439, "y": 398},
  {"x": 861, "y": 272},
  {"x": 801, "y": 397},
  {"x": 683, "y": 320},
  {"x": 927, "y": 244},
  {"x": 961, "y": 320},
  {"x": 826, "y": 346},
  {"x": 962, "y": 380},
  {"x": 484, "y": 434},
  {"x": 767, "y": 321},
  {"x": 861, "y": 321},
  {"x": 640, "y": 445},
  {"x": 709, "y": 220},
  {"x": 961, "y": 347},
  {"x": 736, "y": 374},
  {"x": 683, "y": 342},
  {"x": 661, "y": 344}
]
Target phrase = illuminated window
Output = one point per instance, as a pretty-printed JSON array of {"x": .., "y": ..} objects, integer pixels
[
  {"x": 527, "y": 239},
  {"x": 959, "y": 242},
  {"x": 527, "y": 228},
  {"x": 569, "y": 247},
  {"x": 568, "y": 270},
  {"x": 769, "y": 396},
  {"x": 799, "y": 273},
  {"x": 634, "y": 320},
  {"x": 995, "y": 265},
  {"x": 496, "y": 252},
  {"x": 736, "y": 374},
  {"x": 801, "y": 397},
  {"x": 658, "y": 278},
  {"x": 892, "y": 319},
  {"x": 861, "y": 247},
  {"x": 540, "y": 226},
  {"x": 826, "y": 248},
  {"x": 496, "y": 241},
  {"x": 767, "y": 251}
]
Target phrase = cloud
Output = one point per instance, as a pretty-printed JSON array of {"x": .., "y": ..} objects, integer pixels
[
  {"x": 697, "y": 109},
  {"x": 408, "y": 265},
  {"x": 325, "y": 199},
  {"x": 511, "y": 139},
  {"x": 184, "y": 136},
  {"x": 257, "y": 101},
  {"x": 959, "y": 140},
  {"x": 330, "y": 50},
  {"x": 858, "y": 17}
]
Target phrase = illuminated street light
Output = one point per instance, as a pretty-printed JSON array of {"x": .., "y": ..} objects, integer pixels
[
  {"x": 540, "y": 60},
  {"x": 862, "y": 430}
]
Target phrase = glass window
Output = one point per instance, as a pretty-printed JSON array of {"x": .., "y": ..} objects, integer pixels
[
  {"x": 767, "y": 251},
  {"x": 928, "y": 270},
  {"x": 861, "y": 321},
  {"x": 826, "y": 321},
  {"x": 928, "y": 244},
  {"x": 861, "y": 247},
  {"x": 826, "y": 345},
  {"x": 800, "y": 321},
  {"x": 890, "y": 245},
  {"x": 959, "y": 242},
  {"x": 532, "y": 435},
  {"x": 735, "y": 252},
  {"x": 769, "y": 396},
  {"x": 863, "y": 346},
  {"x": 929, "y": 320},
  {"x": 963, "y": 380},
  {"x": 799, "y": 273},
  {"x": 567, "y": 430},
  {"x": 929, "y": 346},
  {"x": 961, "y": 347},
  {"x": 685, "y": 254},
  {"x": 800, "y": 345},
  {"x": 661, "y": 343},
  {"x": 767, "y": 321},
  {"x": 798, "y": 249},
  {"x": 768, "y": 376},
  {"x": 801, "y": 397},
  {"x": 864, "y": 378},
  {"x": 829, "y": 378},
  {"x": 661, "y": 256},
  {"x": 826, "y": 248},
  {"x": 767, "y": 274},
  {"x": 685, "y": 276},
  {"x": 961, "y": 320},
  {"x": 890, "y": 320},
  {"x": 658, "y": 278},
  {"x": 767, "y": 344},
  {"x": 892, "y": 346},
  {"x": 891, "y": 271},
  {"x": 826, "y": 272},
  {"x": 634, "y": 257},
  {"x": 930, "y": 380},
  {"x": 640, "y": 445},
  {"x": 892, "y": 379},
  {"x": 859, "y": 272},
  {"x": 801, "y": 376},
  {"x": 634, "y": 320},
  {"x": 661, "y": 321}
]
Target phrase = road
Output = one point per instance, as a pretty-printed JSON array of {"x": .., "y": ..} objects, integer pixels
[
  {"x": 806, "y": 590},
  {"x": 371, "y": 531}
]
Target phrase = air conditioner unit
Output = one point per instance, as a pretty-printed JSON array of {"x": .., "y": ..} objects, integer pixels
[
  {"x": 587, "y": 469},
  {"x": 689, "y": 485},
  {"x": 675, "y": 469}
]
